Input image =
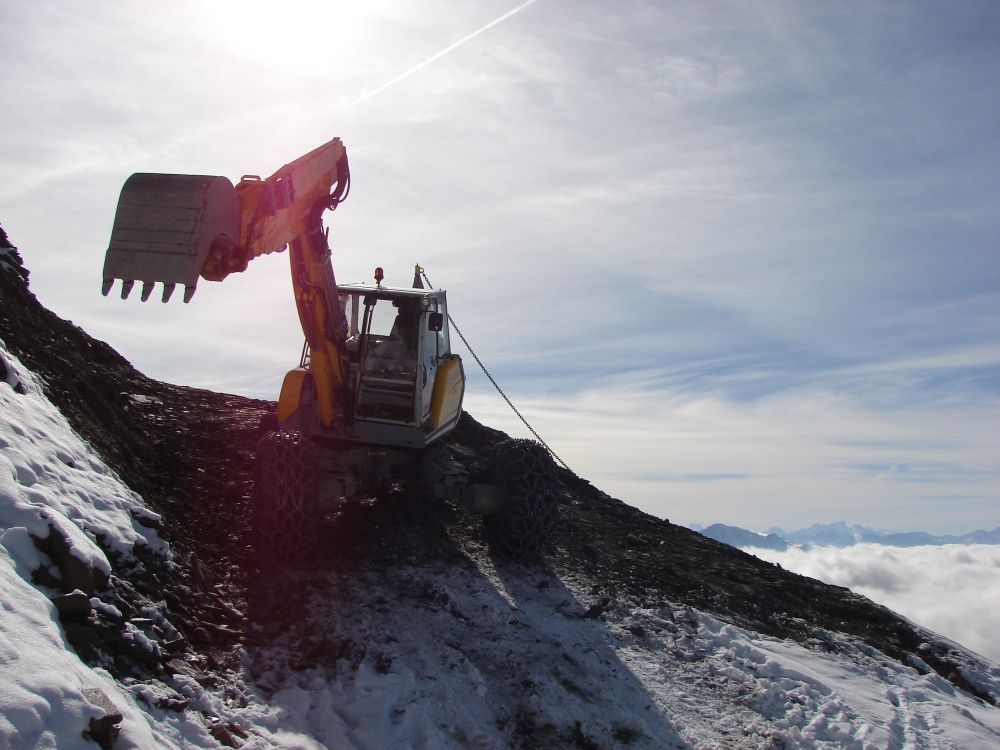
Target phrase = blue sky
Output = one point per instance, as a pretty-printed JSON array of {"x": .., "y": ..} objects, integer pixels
[{"x": 739, "y": 261}]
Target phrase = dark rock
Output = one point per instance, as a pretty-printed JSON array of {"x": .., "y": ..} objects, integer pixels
[
  {"x": 127, "y": 667},
  {"x": 148, "y": 519},
  {"x": 8, "y": 376},
  {"x": 234, "y": 612},
  {"x": 73, "y": 607},
  {"x": 215, "y": 660},
  {"x": 142, "y": 655},
  {"x": 42, "y": 577},
  {"x": 202, "y": 636},
  {"x": 76, "y": 574},
  {"x": 179, "y": 666},
  {"x": 103, "y": 646},
  {"x": 222, "y": 735},
  {"x": 157, "y": 695},
  {"x": 223, "y": 612},
  {"x": 173, "y": 646},
  {"x": 201, "y": 572},
  {"x": 79, "y": 634},
  {"x": 173, "y": 703},
  {"x": 110, "y": 637},
  {"x": 41, "y": 543},
  {"x": 222, "y": 632},
  {"x": 637, "y": 630},
  {"x": 956, "y": 679},
  {"x": 238, "y": 730},
  {"x": 11, "y": 262},
  {"x": 597, "y": 608},
  {"x": 593, "y": 611},
  {"x": 103, "y": 731},
  {"x": 88, "y": 652}
]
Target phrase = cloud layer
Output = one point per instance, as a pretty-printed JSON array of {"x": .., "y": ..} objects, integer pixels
[{"x": 953, "y": 590}]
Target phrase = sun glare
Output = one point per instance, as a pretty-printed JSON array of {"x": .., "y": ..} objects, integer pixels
[{"x": 316, "y": 34}]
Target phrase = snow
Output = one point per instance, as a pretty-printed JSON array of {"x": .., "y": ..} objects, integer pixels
[
  {"x": 851, "y": 697},
  {"x": 461, "y": 656},
  {"x": 42, "y": 680},
  {"x": 466, "y": 655},
  {"x": 50, "y": 479}
]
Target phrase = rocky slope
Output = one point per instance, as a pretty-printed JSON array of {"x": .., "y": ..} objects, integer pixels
[{"x": 189, "y": 453}]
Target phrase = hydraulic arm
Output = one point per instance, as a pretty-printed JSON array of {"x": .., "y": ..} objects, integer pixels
[{"x": 175, "y": 228}]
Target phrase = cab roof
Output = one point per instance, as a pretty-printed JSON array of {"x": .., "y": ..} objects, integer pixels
[{"x": 388, "y": 291}]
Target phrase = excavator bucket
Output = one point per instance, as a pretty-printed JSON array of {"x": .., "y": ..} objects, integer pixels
[{"x": 165, "y": 227}]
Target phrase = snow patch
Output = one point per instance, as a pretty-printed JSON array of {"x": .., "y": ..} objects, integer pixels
[
  {"x": 483, "y": 655},
  {"x": 52, "y": 482}
]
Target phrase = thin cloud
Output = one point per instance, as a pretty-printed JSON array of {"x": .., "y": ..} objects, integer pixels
[
  {"x": 788, "y": 460},
  {"x": 443, "y": 52}
]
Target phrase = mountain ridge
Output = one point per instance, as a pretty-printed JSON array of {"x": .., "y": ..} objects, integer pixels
[{"x": 839, "y": 534}]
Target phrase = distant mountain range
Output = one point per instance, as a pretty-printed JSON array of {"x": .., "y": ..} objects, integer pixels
[{"x": 837, "y": 535}]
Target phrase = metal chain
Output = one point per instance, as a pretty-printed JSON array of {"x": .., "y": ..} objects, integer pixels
[{"x": 499, "y": 389}]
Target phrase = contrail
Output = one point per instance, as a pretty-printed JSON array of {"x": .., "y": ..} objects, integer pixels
[{"x": 443, "y": 52}]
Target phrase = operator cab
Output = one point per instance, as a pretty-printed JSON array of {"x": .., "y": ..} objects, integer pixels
[{"x": 402, "y": 373}]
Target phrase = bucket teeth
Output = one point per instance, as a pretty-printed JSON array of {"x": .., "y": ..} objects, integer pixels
[
  {"x": 168, "y": 289},
  {"x": 188, "y": 293},
  {"x": 147, "y": 289},
  {"x": 127, "y": 287},
  {"x": 106, "y": 286},
  {"x": 165, "y": 227}
]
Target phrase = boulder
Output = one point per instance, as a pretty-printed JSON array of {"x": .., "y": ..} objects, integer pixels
[
  {"x": 104, "y": 731},
  {"x": 73, "y": 607}
]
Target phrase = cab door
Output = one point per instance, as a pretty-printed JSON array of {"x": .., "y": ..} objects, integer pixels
[{"x": 429, "y": 358}]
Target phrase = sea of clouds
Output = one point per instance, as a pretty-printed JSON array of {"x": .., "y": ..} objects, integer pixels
[{"x": 953, "y": 590}]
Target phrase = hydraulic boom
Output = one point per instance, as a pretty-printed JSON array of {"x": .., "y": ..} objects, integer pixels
[{"x": 175, "y": 228}]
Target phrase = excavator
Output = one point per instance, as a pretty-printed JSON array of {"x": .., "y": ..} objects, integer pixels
[{"x": 377, "y": 387}]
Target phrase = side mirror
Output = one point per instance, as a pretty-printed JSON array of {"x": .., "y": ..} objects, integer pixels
[{"x": 435, "y": 321}]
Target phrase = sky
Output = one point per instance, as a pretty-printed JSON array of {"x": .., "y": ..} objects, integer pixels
[{"x": 736, "y": 261}]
